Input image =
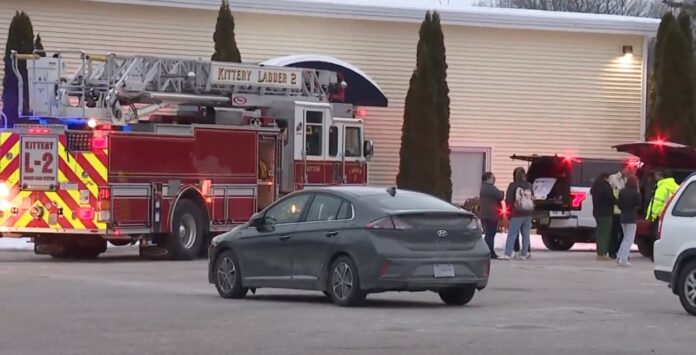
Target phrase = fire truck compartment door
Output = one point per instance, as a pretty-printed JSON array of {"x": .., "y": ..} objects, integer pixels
[{"x": 39, "y": 162}]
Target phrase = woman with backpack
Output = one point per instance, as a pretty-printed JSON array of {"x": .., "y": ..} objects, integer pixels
[{"x": 521, "y": 201}]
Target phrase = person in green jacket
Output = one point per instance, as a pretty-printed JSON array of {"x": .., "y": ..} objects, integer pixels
[{"x": 666, "y": 187}]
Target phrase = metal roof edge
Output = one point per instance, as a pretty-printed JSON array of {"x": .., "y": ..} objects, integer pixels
[{"x": 473, "y": 16}]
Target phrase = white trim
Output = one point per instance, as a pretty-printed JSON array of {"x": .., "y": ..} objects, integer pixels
[
  {"x": 134, "y": 191},
  {"x": 469, "y": 16},
  {"x": 644, "y": 89},
  {"x": 292, "y": 59}
]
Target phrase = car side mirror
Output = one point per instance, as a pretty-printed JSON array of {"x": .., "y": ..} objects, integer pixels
[
  {"x": 256, "y": 220},
  {"x": 368, "y": 149}
]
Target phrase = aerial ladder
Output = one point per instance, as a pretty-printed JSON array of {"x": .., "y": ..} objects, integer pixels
[{"x": 119, "y": 90}]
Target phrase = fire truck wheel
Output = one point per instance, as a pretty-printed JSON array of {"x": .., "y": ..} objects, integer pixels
[{"x": 186, "y": 238}]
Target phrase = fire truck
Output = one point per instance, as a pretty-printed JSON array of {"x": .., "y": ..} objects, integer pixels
[{"x": 166, "y": 152}]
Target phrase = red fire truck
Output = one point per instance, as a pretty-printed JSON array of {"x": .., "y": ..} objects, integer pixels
[{"x": 166, "y": 152}]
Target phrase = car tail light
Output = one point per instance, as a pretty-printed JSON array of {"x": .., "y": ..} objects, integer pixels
[
  {"x": 504, "y": 211},
  {"x": 577, "y": 198},
  {"x": 390, "y": 223}
]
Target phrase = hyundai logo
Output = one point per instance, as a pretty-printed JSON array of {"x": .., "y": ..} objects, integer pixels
[{"x": 442, "y": 233}]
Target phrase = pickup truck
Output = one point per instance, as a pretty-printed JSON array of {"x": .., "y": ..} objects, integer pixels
[{"x": 563, "y": 204}]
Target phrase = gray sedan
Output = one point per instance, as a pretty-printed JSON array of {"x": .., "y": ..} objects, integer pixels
[{"x": 351, "y": 241}]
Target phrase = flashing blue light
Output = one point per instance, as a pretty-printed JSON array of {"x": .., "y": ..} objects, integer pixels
[{"x": 126, "y": 128}]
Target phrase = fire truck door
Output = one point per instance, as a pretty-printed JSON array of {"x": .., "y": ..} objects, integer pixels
[
  {"x": 354, "y": 167},
  {"x": 311, "y": 151},
  {"x": 334, "y": 173}
]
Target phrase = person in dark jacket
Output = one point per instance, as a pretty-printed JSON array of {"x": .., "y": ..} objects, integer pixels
[
  {"x": 629, "y": 202},
  {"x": 491, "y": 200},
  {"x": 603, "y": 200},
  {"x": 519, "y": 199}
]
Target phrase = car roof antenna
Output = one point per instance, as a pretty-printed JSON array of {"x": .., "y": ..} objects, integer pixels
[{"x": 391, "y": 191}]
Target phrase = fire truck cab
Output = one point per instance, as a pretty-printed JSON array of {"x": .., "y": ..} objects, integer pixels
[{"x": 167, "y": 152}]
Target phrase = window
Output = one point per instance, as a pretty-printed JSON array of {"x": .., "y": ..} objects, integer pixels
[
  {"x": 346, "y": 211},
  {"x": 353, "y": 143},
  {"x": 686, "y": 205},
  {"x": 404, "y": 201},
  {"x": 314, "y": 133},
  {"x": 287, "y": 211},
  {"x": 333, "y": 141},
  {"x": 324, "y": 208}
]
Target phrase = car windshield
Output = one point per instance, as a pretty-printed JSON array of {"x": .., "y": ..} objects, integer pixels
[{"x": 409, "y": 202}]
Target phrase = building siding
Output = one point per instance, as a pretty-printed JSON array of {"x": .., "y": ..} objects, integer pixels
[{"x": 513, "y": 91}]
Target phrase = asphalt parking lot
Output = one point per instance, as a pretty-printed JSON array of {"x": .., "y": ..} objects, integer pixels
[{"x": 557, "y": 303}]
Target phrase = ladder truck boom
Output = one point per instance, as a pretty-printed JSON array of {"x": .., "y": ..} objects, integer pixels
[{"x": 108, "y": 87}]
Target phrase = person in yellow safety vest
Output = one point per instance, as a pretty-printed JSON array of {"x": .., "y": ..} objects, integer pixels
[{"x": 666, "y": 187}]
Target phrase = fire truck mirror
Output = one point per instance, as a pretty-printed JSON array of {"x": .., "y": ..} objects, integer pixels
[{"x": 368, "y": 149}]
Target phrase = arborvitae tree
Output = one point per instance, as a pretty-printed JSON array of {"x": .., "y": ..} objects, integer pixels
[
  {"x": 667, "y": 20},
  {"x": 225, "y": 44},
  {"x": 39, "y": 46},
  {"x": 436, "y": 45},
  {"x": 20, "y": 38},
  {"x": 675, "y": 110},
  {"x": 418, "y": 166}
]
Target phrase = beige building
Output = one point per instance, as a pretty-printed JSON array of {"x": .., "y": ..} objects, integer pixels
[{"x": 521, "y": 82}]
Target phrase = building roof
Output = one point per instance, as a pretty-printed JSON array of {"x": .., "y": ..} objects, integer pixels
[{"x": 413, "y": 11}]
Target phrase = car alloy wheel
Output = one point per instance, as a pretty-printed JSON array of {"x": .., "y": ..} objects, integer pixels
[
  {"x": 228, "y": 278},
  {"x": 342, "y": 281}
]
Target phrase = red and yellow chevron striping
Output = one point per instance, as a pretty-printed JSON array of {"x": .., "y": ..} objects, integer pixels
[{"x": 80, "y": 176}]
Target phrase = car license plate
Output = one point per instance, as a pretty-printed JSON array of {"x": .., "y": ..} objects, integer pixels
[
  {"x": 559, "y": 214},
  {"x": 443, "y": 270}
]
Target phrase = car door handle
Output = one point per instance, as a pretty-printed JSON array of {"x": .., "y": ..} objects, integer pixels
[
  {"x": 331, "y": 234},
  {"x": 284, "y": 238}
]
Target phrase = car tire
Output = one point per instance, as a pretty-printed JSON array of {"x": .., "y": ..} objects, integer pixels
[
  {"x": 556, "y": 243},
  {"x": 646, "y": 247},
  {"x": 186, "y": 238},
  {"x": 227, "y": 276},
  {"x": 458, "y": 296},
  {"x": 344, "y": 283},
  {"x": 687, "y": 287}
]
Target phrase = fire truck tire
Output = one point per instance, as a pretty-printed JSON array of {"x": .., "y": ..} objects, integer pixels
[{"x": 186, "y": 239}]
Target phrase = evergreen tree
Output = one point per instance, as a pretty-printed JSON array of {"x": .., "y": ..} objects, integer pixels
[
  {"x": 667, "y": 20},
  {"x": 436, "y": 44},
  {"x": 225, "y": 43},
  {"x": 418, "y": 167},
  {"x": 675, "y": 110},
  {"x": 424, "y": 156},
  {"x": 39, "y": 46},
  {"x": 20, "y": 38}
]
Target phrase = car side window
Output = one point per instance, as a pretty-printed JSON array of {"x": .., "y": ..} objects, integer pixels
[
  {"x": 346, "y": 211},
  {"x": 686, "y": 204},
  {"x": 324, "y": 208},
  {"x": 287, "y": 211}
]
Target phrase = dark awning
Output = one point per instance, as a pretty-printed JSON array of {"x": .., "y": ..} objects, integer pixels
[{"x": 361, "y": 90}]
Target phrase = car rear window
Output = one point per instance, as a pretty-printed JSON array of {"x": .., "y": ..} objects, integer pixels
[
  {"x": 409, "y": 202},
  {"x": 686, "y": 205}
]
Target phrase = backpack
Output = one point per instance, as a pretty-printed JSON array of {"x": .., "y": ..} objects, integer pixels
[{"x": 524, "y": 202}]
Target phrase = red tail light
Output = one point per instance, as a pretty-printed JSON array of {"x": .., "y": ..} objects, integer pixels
[
  {"x": 390, "y": 223},
  {"x": 99, "y": 143},
  {"x": 577, "y": 198},
  {"x": 38, "y": 130},
  {"x": 504, "y": 211},
  {"x": 86, "y": 213},
  {"x": 104, "y": 193}
]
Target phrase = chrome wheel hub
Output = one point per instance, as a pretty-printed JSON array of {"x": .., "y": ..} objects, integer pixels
[
  {"x": 226, "y": 274},
  {"x": 187, "y": 231}
]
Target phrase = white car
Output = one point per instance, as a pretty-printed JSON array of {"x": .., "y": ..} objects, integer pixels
[
  {"x": 675, "y": 248},
  {"x": 563, "y": 206}
]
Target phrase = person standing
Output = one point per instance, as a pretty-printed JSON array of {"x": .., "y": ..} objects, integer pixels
[
  {"x": 618, "y": 183},
  {"x": 491, "y": 201},
  {"x": 520, "y": 199},
  {"x": 629, "y": 202},
  {"x": 603, "y": 201},
  {"x": 666, "y": 187}
]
